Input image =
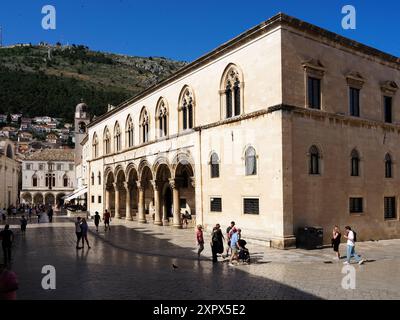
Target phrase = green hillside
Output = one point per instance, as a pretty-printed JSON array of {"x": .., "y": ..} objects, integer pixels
[{"x": 51, "y": 80}]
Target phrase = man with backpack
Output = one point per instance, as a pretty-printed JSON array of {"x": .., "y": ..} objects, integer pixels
[{"x": 351, "y": 237}]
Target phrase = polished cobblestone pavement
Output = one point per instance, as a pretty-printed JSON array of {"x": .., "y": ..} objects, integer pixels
[{"x": 134, "y": 261}]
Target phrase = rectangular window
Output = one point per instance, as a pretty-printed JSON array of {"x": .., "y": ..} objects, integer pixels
[
  {"x": 216, "y": 204},
  {"x": 314, "y": 93},
  {"x": 28, "y": 166},
  {"x": 59, "y": 167},
  {"x": 354, "y": 102},
  {"x": 251, "y": 206},
  {"x": 356, "y": 205},
  {"x": 71, "y": 167},
  {"x": 388, "y": 109},
  {"x": 99, "y": 199},
  {"x": 182, "y": 203},
  {"x": 92, "y": 199},
  {"x": 390, "y": 208},
  {"x": 41, "y": 167}
]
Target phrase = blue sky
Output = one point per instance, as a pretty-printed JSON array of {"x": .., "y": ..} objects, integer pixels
[{"x": 185, "y": 30}]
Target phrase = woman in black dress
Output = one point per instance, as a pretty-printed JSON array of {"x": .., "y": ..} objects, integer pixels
[
  {"x": 217, "y": 242},
  {"x": 336, "y": 235}
]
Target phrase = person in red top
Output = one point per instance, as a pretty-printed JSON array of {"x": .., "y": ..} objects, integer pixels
[
  {"x": 8, "y": 284},
  {"x": 107, "y": 220},
  {"x": 200, "y": 239}
]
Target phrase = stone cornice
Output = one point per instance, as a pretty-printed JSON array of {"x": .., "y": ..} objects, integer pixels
[
  {"x": 328, "y": 115},
  {"x": 278, "y": 20}
]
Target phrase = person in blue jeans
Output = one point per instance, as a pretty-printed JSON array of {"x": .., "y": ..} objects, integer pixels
[{"x": 351, "y": 252}]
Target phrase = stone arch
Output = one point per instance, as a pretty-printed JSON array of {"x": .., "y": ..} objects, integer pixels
[
  {"x": 59, "y": 199},
  {"x": 142, "y": 165},
  {"x": 38, "y": 198},
  {"x": 161, "y": 160},
  {"x": 27, "y": 197},
  {"x": 49, "y": 199},
  {"x": 182, "y": 158}
]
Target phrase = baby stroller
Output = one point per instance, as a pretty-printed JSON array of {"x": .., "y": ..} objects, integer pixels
[{"x": 244, "y": 254}]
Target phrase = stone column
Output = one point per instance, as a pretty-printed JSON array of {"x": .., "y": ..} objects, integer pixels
[
  {"x": 107, "y": 200},
  {"x": 117, "y": 214},
  {"x": 128, "y": 202},
  {"x": 157, "y": 208},
  {"x": 141, "y": 204},
  {"x": 175, "y": 198}
]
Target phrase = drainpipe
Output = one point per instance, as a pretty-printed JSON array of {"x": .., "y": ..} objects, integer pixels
[{"x": 201, "y": 180}]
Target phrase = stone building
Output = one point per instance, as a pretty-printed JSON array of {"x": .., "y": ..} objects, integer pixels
[
  {"x": 48, "y": 176},
  {"x": 285, "y": 126},
  {"x": 9, "y": 173}
]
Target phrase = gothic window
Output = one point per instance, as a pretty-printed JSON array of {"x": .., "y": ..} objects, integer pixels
[
  {"x": 129, "y": 132},
  {"x": 214, "y": 165},
  {"x": 144, "y": 126},
  {"x": 92, "y": 178},
  {"x": 95, "y": 146},
  {"x": 117, "y": 137},
  {"x": 99, "y": 177},
  {"x": 107, "y": 141},
  {"x": 162, "y": 119},
  {"x": 186, "y": 109},
  {"x": 34, "y": 181},
  {"x": 231, "y": 90},
  {"x": 65, "y": 180},
  {"x": 314, "y": 166},
  {"x": 251, "y": 161},
  {"x": 355, "y": 163}
]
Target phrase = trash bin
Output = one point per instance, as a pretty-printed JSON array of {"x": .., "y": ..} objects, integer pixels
[{"x": 310, "y": 238}]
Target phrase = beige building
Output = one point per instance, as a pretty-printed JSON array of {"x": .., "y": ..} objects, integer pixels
[
  {"x": 48, "y": 176},
  {"x": 9, "y": 173},
  {"x": 285, "y": 126}
]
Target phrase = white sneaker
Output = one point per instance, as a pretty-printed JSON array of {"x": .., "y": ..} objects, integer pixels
[
  {"x": 346, "y": 262},
  {"x": 361, "y": 262},
  {"x": 231, "y": 264}
]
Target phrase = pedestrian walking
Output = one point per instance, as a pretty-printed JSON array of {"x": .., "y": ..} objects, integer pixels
[
  {"x": 38, "y": 213},
  {"x": 107, "y": 220},
  {"x": 24, "y": 222},
  {"x": 4, "y": 215},
  {"x": 84, "y": 230},
  {"x": 217, "y": 242},
  {"x": 336, "y": 236},
  {"x": 234, "y": 245},
  {"x": 50, "y": 214},
  {"x": 200, "y": 239},
  {"x": 351, "y": 244},
  {"x": 97, "y": 220},
  {"x": 78, "y": 232},
  {"x": 8, "y": 284},
  {"x": 7, "y": 238},
  {"x": 14, "y": 211},
  {"x": 228, "y": 237},
  {"x": 30, "y": 210}
]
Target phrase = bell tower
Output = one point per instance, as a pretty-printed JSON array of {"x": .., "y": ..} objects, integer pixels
[{"x": 82, "y": 119}]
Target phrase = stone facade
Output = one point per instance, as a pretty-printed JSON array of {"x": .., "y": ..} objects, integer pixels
[
  {"x": 228, "y": 137},
  {"x": 48, "y": 176},
  {"x": 9, "y": 173}
]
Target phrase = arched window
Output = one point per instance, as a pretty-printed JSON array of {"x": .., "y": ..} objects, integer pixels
[
  {"x": 34, "y": 181},
  {"x": 251, "y": 161},
  {"x": 355, "y": 163},
  {"x": 314, "y": 160},
  {"x": 107, "y": 141},
  {"x": 117, "y": 137},
  {"x": 99, "y": 177},
  {"x": 162, "y": 119},
  {"x": 144, "y": 125},
  {"x": 95, "y": 146},
  {"x": 186, "y": 109},
  {"x": 231, "y": 89},
  {"x": 65, "y": 180},
  {"x": 92, "y": 178},
  {"x": 129, "y": 132},
  {"x": 388, "y": 166},
  {"x": 214, "y": 165}
]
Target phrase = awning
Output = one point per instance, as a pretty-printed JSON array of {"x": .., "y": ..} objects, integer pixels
[{"x": 75, "y": 194}]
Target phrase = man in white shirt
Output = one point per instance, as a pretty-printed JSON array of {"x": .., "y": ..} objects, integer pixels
[{"x": 351, "y": 247}]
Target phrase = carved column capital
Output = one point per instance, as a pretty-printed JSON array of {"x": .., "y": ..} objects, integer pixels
[
  {"x": 140, "y": 185},
  {"x": 154, "y": 183}
]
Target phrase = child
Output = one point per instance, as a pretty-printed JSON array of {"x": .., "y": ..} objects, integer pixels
[{"x": 244, "y": 254}]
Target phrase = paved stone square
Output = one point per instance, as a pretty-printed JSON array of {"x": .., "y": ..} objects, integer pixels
[{"x": 134, "y": 261}]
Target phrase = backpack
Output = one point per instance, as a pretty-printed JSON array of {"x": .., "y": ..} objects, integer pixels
[{"x": 355, "y": 236}]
